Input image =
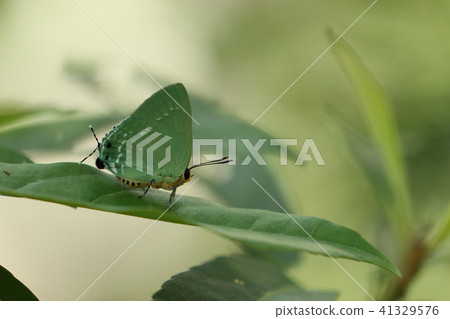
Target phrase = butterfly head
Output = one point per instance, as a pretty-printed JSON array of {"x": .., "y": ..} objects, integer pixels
[
  {"x": 104, "y": 154},
  {"x": 99, "y": 163},
  {"x": 187, "y": 175}
]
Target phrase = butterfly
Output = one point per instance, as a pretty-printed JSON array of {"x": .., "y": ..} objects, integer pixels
[{"x": 152, "y": 147}]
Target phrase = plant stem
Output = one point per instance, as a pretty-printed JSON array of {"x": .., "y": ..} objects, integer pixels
[{"x": 412, "y": 264}]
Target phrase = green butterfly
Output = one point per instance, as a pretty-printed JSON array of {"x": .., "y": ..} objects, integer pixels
[{"x": 153, "y": 146}]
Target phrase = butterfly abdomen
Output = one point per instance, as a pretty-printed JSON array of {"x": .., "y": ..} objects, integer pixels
[
  {"x": 132, "y": 183},
  {"x": 167, "y": 183}
]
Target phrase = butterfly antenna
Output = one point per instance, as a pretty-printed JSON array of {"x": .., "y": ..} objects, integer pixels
[
  {"x": 95, "y": 136},
  {"x": 223, "y": 160},
  {"x": 98, "y": 145}
]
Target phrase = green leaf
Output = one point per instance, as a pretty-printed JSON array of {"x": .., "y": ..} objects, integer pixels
[
  {"x": 227, "y": 278},
  {"x": 79, "y": 185},
  {"x": 380, "y": 118},
  {"x": 9, "y": 155},
  {"x": 11, "y": 289}
]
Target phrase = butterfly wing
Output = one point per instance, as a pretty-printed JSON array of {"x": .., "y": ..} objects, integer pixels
[{"x": 155, "y": 140}]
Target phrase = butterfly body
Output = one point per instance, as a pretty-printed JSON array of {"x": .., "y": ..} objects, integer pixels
[
  {"x": 163, "y": 182},
  {"x": 152, "y": 147}
]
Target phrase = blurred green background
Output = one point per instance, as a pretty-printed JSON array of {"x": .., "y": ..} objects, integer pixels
[{"x": 240, "y": 56}]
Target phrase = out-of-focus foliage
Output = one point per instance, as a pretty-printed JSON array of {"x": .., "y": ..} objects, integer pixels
[
  {"x": 383, "y": 128},
  {"x": 236, "y": 278}
]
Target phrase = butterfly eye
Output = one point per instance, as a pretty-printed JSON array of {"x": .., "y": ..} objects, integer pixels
[
  {"x": 187, "y": 174},
  {"x": 99, "y": 163},
  {"x": 108, "y": 145}
]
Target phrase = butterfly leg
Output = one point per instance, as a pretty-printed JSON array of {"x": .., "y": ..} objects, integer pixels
[
  {"x": 146, "y": 190},
  {"x": 172, "y": 195}
]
